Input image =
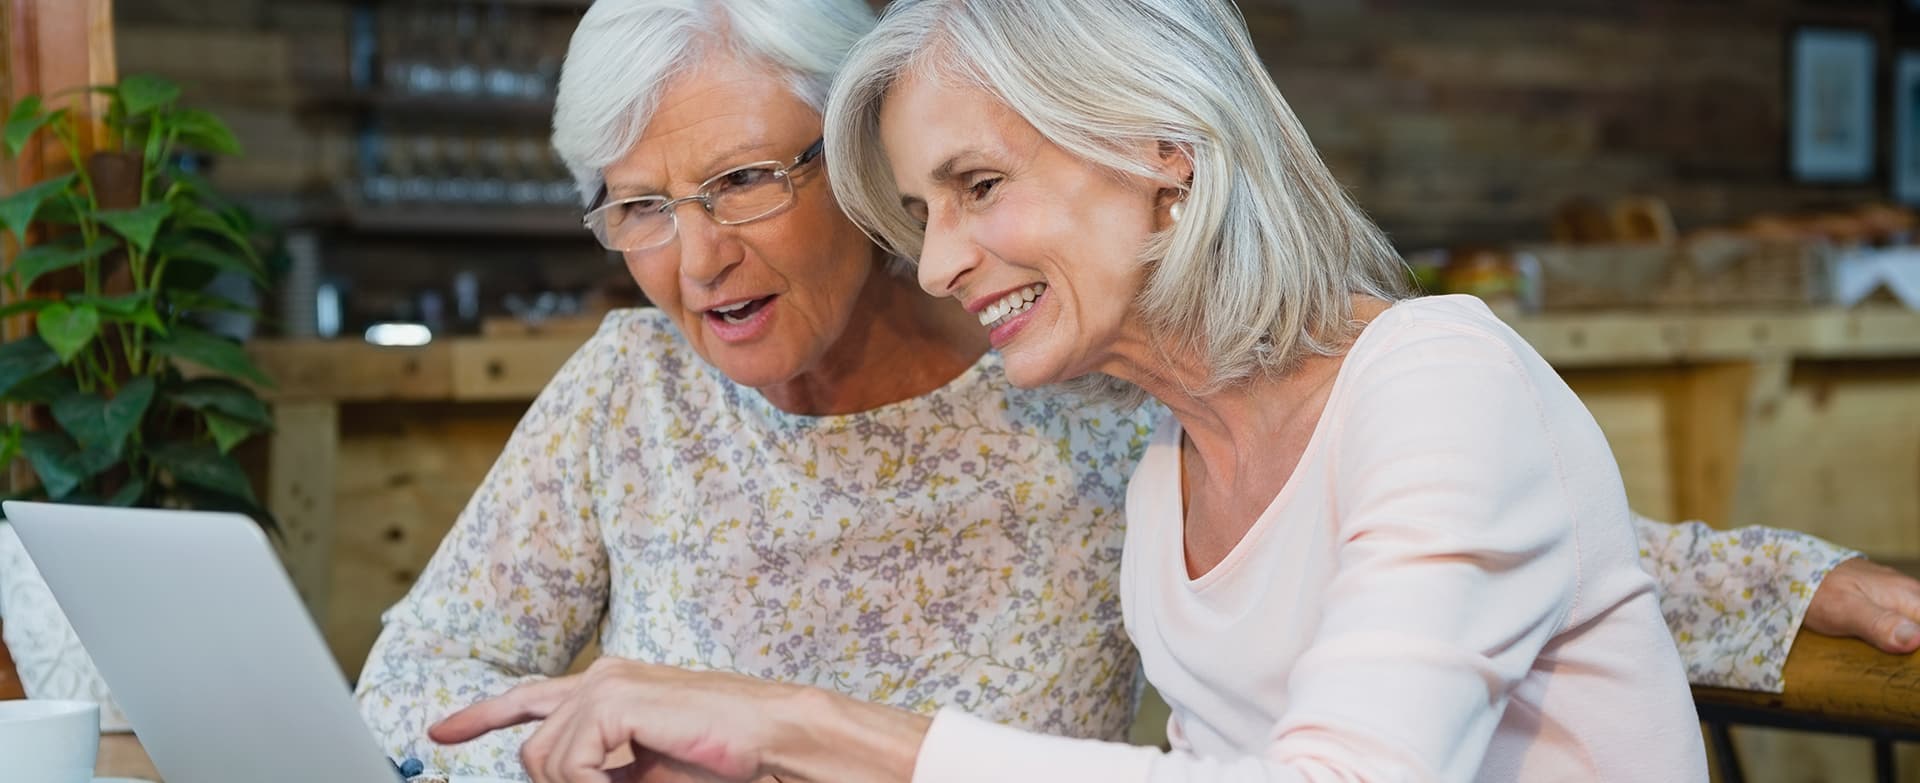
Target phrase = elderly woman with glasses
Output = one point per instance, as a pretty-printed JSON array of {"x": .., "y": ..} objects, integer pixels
[{"x": 799, "y": 467}]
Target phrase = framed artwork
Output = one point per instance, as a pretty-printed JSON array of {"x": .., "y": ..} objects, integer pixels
[
  {"x": 1906, "y": 128},
  {"x": 1830, "y": 104}
]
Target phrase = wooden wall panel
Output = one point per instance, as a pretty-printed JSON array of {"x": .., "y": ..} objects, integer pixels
[{"x": 405, "y": 472}]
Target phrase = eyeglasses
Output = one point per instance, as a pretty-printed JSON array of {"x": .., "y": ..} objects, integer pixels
[{"x": 741, "y": 194}]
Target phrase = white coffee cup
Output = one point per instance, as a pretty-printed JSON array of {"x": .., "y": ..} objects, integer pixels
[{"x": 48, "y": 740}]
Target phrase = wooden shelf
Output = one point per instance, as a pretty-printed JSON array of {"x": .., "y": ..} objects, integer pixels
[
  {"x": 476, "y": 221},
  {"x": 408, "y": 108},
  {"x": 1617, "y": 338},
  {"x": 517, "y": 368}
]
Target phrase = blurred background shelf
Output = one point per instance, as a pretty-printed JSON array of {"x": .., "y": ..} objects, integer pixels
[
  {"x": 396, "y": 106},
  {"x": 490, "y": 222}
]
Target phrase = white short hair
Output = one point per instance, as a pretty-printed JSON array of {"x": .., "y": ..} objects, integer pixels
[
  {"x": 1261, "y": 269},
  {"x": 625, "y": 52}
]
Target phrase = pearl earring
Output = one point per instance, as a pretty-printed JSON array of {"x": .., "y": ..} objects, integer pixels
[{"x": 1174, "y": 210}]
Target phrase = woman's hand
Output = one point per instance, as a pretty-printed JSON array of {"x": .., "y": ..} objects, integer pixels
[
  {"x": 1871, "y": 602},
  {"x": 626, "y": 722}
]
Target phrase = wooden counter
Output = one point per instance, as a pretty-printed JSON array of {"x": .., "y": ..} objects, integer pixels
[{"x": 516, "y": 368}]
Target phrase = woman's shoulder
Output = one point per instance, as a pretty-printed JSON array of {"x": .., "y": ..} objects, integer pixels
[{"x": 1437, "y": 330}]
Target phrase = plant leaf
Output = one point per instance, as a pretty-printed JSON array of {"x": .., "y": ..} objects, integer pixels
[
  {"x": 17, "y": 209},
  {"x": 54, "y": 460},
  {"x": 52, "y": 256},
  {"x": 199, "y": 129},
  {"x": 60, "y": 209},
  {"x": 101, "y": 424},
  {"x": 138, "y": 225},
  {"x": 122, "y": 305},
  {"x": 200, "y": 302},
  {"x": 14, "y": 308},
  {"x": 135, "y": 308},
  {"x": 25, "y": 118},
  {"x": 10, "y": 443},
  {"x": 67, "y": 329},
  {"x": 22, "y": 359},
  {"x": 190, "y": 496},
  {"x": 211, "y": 351},
  {"x": 129, "y": 494},
  {"x": 202, "y": 465},
  {"x": 227, "y": 431},
  {"x": 61, "y": 465},
  {"x": 196, "y": 217},
  {"x": 143, "y": 93},
  {"x": 44, "y": 388},
  {"x": 224, "y": 397},
  {"x": 200, "y": 251}
]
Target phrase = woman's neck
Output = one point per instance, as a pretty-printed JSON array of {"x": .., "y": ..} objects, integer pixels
[
  {"x": 899, "y": 344},
  {"x": 1237, "y": 427}
]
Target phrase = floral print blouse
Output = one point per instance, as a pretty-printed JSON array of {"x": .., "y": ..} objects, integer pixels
[{"x": 961, "y": 548}]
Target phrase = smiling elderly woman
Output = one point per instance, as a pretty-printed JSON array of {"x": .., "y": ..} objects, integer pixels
[
  {"x": 796, "y": 465},
  {"x": 801, "y": 468}
]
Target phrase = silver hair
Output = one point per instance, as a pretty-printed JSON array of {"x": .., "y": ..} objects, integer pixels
[
  {"x": 625, "y": 52},
  {"x": 1261, "y": 269}
]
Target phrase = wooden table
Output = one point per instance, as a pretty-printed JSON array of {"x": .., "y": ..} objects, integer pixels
[
  {"x": 121, "y": 756},
  {"x": 1834, "y": 686}
]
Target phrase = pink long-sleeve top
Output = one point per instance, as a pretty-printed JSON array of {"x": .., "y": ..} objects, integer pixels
[{"x": 1444, "y": 590}]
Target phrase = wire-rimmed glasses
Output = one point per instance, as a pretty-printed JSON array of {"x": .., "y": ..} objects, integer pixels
[{"x": 741, "y": 194}]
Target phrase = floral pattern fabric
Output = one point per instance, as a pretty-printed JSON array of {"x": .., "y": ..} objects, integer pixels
[
  {"x": 957, "y": 549},
  {"x": 1734, "y": 599}
]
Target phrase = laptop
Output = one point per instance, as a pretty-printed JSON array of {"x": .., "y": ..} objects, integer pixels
[{"x": 197, "y": 630}]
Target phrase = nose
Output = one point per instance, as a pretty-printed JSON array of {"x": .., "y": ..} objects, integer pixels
[
  {"x": 945, "y": 258},
  {"x": 706, "y": 250}
]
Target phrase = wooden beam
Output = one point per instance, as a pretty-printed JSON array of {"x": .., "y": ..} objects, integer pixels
[
  {"x": 350, "y": 370},
  {"x": 303, "y": 463},
  {"x": 54, "y": 46},
  {"x": 1706, "y": 413},
  {"x": 50, "y": 46}
]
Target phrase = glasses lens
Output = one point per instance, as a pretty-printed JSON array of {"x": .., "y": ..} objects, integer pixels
[
  {"x": 748, "y": 193},
  {"x": 633, "y": 225}
]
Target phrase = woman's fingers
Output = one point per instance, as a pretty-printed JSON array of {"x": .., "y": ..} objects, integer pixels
[
  {"x": 1871, "y": 602},
  {"x": 541, "y": 752},
  {"x": 1897, "y": 596},
  {"x": 589, "y": 748},
  {"x": 529, "y": 702}
]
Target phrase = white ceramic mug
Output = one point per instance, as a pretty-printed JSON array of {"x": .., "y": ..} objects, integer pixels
[{"x": 48, "y": 740}]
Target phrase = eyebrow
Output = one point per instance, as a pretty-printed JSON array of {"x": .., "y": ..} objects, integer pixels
[
  {"x": 712, "y": 165},
  {"x": 945, "y": 170}
]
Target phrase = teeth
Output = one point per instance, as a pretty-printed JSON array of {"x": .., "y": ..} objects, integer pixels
[
  {"x": 1011, "y": 305},
  {"x": 732, "y": 307}
]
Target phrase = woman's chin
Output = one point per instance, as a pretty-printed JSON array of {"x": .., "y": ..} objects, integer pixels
[
  {"x": 1029, "y": 372},
  {"x": 754, "y": 369}
]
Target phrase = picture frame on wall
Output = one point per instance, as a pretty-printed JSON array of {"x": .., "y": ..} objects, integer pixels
[
  {"x": 1906, "y": 128},
  {"x": 1831, "y": 104}
]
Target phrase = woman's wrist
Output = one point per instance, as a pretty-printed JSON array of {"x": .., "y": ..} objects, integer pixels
[{"x": 830, "y": 738}]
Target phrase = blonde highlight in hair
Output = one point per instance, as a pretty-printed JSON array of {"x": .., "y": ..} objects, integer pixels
[{"x": 1261, "y": 270}]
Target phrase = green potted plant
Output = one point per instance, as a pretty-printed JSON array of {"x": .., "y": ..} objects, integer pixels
[{"x": 135, "y": 404}]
